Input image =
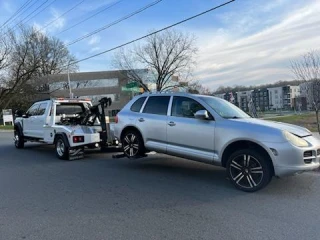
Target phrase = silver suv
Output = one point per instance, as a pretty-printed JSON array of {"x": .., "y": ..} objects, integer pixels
[{"x": 214, "y": 131}]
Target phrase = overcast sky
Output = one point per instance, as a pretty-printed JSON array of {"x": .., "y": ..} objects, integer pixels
[{"x": 247, "y": 42}]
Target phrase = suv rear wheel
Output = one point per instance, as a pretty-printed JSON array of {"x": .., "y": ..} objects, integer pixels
[
  {"x": 249, "y": 170},
  {"x": 132, "y": 144}
]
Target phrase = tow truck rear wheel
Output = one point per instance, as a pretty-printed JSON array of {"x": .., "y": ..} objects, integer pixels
[{"x": 62, "y": 151}]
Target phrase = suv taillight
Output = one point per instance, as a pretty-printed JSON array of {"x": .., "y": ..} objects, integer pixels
[
  {"x": 116, "y": 119},
  {"x": 78, "y": 139}
]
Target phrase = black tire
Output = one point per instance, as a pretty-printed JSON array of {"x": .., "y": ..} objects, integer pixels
[
  {"x": 249, "y": 170},
  {"x": 132, "y": 144},
  {"x": 18, "y": 139},
  {"x": 62, "y": 151}
]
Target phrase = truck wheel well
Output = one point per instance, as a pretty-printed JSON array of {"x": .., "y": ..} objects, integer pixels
[
  {"x": 64, "y": 136},
  {"x": 17, "y": 127},
  {"x": 244, "y": 145}
]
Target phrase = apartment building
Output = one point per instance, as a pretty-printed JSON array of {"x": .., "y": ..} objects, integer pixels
[
  {"x": 260, "y": 98},
  {"x": 243, "y": 98},
  {"x": 275, "y": 98}
]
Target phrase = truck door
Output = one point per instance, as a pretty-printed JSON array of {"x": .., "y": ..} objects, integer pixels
[
  {"x": 29, "y": 121},
  {"x": 40, "y": 119}
]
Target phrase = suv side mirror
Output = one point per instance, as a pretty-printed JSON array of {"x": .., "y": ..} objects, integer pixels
[{"x": 202, "y": 114}]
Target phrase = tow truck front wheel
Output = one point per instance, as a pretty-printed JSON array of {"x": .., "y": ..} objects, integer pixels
[
  {"x": 62, "y": 151},
  {"x": 18, "y": 139}
]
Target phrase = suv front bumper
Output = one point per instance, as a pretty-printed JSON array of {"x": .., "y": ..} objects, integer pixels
[{"x": 290, "y": 160}]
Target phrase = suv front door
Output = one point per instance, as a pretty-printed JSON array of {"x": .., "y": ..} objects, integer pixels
[
  {"x": 152, "y": 122},
  {"x": 187, "y": 136}
]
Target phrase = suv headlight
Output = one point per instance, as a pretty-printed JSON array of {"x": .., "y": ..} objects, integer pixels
[{"x": 297, "y": 141}]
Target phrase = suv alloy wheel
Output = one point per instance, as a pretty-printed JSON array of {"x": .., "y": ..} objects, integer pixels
[{"x": 249, "y": 170}]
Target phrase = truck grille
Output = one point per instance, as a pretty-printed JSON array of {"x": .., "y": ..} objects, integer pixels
[{"x": 318, "y": 152}]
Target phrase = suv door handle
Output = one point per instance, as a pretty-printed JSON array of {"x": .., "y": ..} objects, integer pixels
[
  {"x": 141, "y": 120},
  {"x": 171, "y": 124}
]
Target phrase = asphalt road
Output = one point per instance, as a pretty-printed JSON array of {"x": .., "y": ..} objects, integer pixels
[{"x": 42, "y": 197}]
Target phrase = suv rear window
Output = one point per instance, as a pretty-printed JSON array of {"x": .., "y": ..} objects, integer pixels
[
  {"x": 136, "y": 106},
  {"x": 157, "y": 105}
]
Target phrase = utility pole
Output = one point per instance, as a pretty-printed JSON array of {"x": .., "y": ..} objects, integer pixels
[{"x": 70, "y": 92}]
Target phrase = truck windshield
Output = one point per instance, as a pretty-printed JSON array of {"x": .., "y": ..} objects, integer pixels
[{"x": 224, "y": 108}]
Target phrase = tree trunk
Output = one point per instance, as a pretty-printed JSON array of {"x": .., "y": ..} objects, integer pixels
[{"x": 317, "y": 115}]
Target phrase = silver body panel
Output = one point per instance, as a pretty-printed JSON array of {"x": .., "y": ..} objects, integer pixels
[{"x": 206, "y": 140}]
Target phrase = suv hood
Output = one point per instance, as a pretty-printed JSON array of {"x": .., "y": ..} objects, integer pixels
[{"x": 294, "y": 129}]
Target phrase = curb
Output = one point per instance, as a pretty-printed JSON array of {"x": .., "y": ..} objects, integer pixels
[{"x": 5, "y": 130}]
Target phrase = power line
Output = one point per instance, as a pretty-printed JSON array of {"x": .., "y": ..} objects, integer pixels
[
  {"x": 102, "y": 10},
  {"x": 41, "y": 10},
  {"x": 115, "y": 22},
  {"x": 26, "y": 10},
  {"x": 16, "y": 12},
  {"x": 34, "y": 14},
  {"x": 63, "y": 14},
  {"x": 33, "y": 11},
  {"x": 155, "y": 32}
]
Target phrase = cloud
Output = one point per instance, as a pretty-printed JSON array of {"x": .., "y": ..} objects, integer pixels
[
  {"x": 94, "y": 49},
  {"x": 229, "y": 57},
  {"x": 94, "y": 5},
  {"x": 94, "y": 40},
  {"x": 57, "y": 21}
]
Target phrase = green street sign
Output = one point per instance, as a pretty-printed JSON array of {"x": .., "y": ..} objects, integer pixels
[
  {"x": 132, "y": 89},
  {"x": 132, "y": 85}
]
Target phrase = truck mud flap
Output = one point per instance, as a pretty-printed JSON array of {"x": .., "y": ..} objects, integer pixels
[{"x": 76, "y": 153}]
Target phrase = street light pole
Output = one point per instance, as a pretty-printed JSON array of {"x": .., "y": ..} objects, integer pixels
[{"x": 70, "y": 92}]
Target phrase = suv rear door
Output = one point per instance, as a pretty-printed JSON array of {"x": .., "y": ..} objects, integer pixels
[
  {"x": 188, "y": 136},
  {"x": 152, "y": 123}
]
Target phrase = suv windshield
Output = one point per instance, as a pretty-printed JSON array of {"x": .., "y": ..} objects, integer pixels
[{"x": 224, "y": 108}]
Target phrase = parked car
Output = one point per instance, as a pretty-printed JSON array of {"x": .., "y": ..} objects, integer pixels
[{"x": 214, "y": 131}]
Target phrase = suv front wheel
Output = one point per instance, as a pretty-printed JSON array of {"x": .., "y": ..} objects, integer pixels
[
  {"x": 249, "y": 170},
  {"x": 132, "y": 144}
]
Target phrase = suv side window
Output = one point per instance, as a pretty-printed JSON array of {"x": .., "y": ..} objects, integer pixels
[
  {"x": 33, "y": 110},
  {"x": 157, "y": 105},
  {"x": 42, "y": 108},
  {"x": 185, "y": 107},
  {"x": 136, "y": 106}
]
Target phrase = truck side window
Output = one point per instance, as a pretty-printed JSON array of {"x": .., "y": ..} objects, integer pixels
[
  {"x": 33, "y": 110},
  {"x": 42, "y": 108}
]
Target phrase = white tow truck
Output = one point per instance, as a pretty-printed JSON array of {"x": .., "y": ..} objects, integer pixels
[{"x": 69, "y": 124}]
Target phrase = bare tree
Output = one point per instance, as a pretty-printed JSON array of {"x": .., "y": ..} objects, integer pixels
[
  {"x": 162, "y": 56},
  {"x": 197, "y": 88},
  {"x": 308, "y": 69},
  {"x": 33, "y": 55}
]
